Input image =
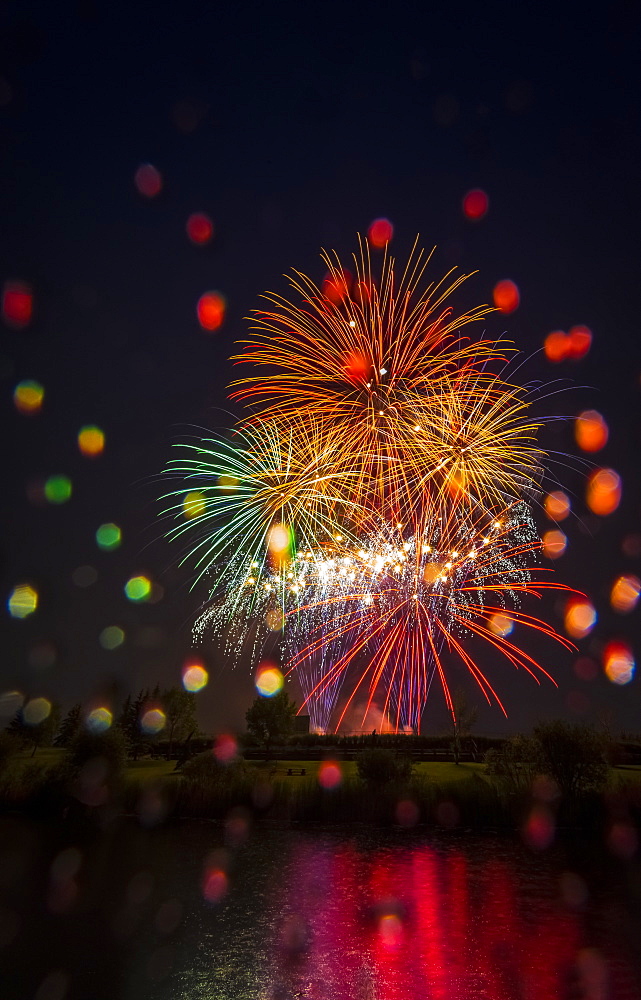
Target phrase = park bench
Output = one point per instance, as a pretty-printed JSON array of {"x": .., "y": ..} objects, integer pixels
[{"x": 296, "y": 770}]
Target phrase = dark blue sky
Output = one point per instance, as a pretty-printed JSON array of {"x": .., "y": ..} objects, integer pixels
[{"x": 293, "y": 126}]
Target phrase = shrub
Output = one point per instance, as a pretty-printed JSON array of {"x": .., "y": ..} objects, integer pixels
[
  {"x": 204, "y": 769},
  {"x": 512, "y": 762},
  {"x": 108, "y": 747},
  {"x": 574, "y": 756},
  {"x": 382, "y": 767}
]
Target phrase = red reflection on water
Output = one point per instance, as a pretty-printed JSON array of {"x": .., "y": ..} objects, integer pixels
[{"x": 422, "y": 922}]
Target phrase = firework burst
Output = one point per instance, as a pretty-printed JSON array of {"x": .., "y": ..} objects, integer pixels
[{"x": 370, "y": 511}]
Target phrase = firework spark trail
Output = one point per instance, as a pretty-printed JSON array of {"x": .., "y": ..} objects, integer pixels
[
  {"x": 400, "y": 461},
  {"x": 405, "y": 600}
]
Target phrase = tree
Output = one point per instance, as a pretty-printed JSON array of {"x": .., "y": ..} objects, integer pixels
[
  {"x": 37, "y": 734},
  {"x": 271, "y": 720},
  {"x": 129, "y": 722},
  {"x": 179, "y": 707},
  {"x": 574, "y": 756},
  {"x": 108, "y": 747},
  {"x": 70, "y": 727},
  {"x": 462, "y": 719}
]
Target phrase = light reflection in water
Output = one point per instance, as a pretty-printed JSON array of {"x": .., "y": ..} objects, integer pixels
[
  {"x": 465, "y": 919},
  {"x": 194, "y": 911}
]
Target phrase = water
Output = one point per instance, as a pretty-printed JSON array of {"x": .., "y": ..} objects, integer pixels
[{"x": 313, "y": 914}]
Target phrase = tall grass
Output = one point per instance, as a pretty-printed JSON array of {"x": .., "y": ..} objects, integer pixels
[{"x": 471, "y": 803}]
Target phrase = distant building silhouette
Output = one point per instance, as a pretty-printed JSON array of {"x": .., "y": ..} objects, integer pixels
[{"x": 301, "y": 725}]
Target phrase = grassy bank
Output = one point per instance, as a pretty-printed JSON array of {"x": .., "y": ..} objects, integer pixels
[{"x": 442, "y": 795}]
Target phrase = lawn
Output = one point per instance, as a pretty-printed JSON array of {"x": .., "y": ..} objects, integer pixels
[
  {"x": 438, "y": 772},
  {"x": 147, "y": 769}
]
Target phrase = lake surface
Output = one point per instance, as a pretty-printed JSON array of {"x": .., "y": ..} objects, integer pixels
[{"x": 192, "y": 912}]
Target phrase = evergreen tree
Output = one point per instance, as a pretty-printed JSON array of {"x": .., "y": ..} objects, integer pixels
[
  {"x": 70, "y": 727},
  {"x": 39, "y": 734},
  {"x": 129, "y": 722}
]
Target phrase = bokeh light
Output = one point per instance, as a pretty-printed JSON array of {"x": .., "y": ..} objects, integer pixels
[
  {"x": 108, "y": 536},
  {"x": 585, "y": 668},
  {"x": 625, "y": 594},
  {"x": 574, "y": 345},
  {"x": 36, "y": 711},
  {"x": 17, "y": 304},
  {"x": 337, "y": 286},
  {"x": 329, "y": 774},
  {"x": 591, "y": 431},
  {"x": 603, "y": 491},
  {"x": 225, "y": 748},
  {"x": 580, "y": 617},
  {"x": 138, "y": 588},
  {"x": 557, "y": 505},
  {"x": 28, "y": 397},
  {"x": 152, "y": 721},
  {"x": 623, "y": 840},
  {"x": 555, "y": 346},
  {"x": 111, "y": 637},
  {"x": 554, "y": 544},
  {"x": 194, "y": 676},
  {"x": 228, "y": 484},
  {"x": 580, "y": 341},
  {"x": 84, "y": 576},
  {"x": 91, "y": 441},
  {"x": 269, "y": 680},
  {"x": 148, "y": 180},
  {"x": 275, "y": 619},
  {"x": 211, "y": 310},
  {"x": 506, "y": 296},
  {"x": 407, "y": 813},
  {"x": 194, "y": 504},
  {"x": 618, "y": 662},
  {"x": 200, "y": 228},
  {"x": 500, "y": 625},
  {"x": 390, "y": 928},
  {"x": 214, "y": 884},
  {"x": 539, "y": 830},
  {"x": 357, "y": 368},
  {"x": 631, "y": 545},
  {"x": 23, "y": 600},
  {"x": 99, "y": 720},
  {"x": 58, "y": 489},
  {"x": 42, "y": 655},
  {"x": 475, "y": 205},
  {"x": 279, "y": 540},
  {"x": 380, "y": 232}
]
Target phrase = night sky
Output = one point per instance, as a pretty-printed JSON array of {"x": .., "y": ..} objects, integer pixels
[{"x": 293, "y": 127}]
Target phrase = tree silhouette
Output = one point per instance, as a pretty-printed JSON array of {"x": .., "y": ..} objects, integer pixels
[
  {"x": 179, "y": 707},
  {"x": 270, "y": 720},
  {"x": 70, "y": 727}
]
